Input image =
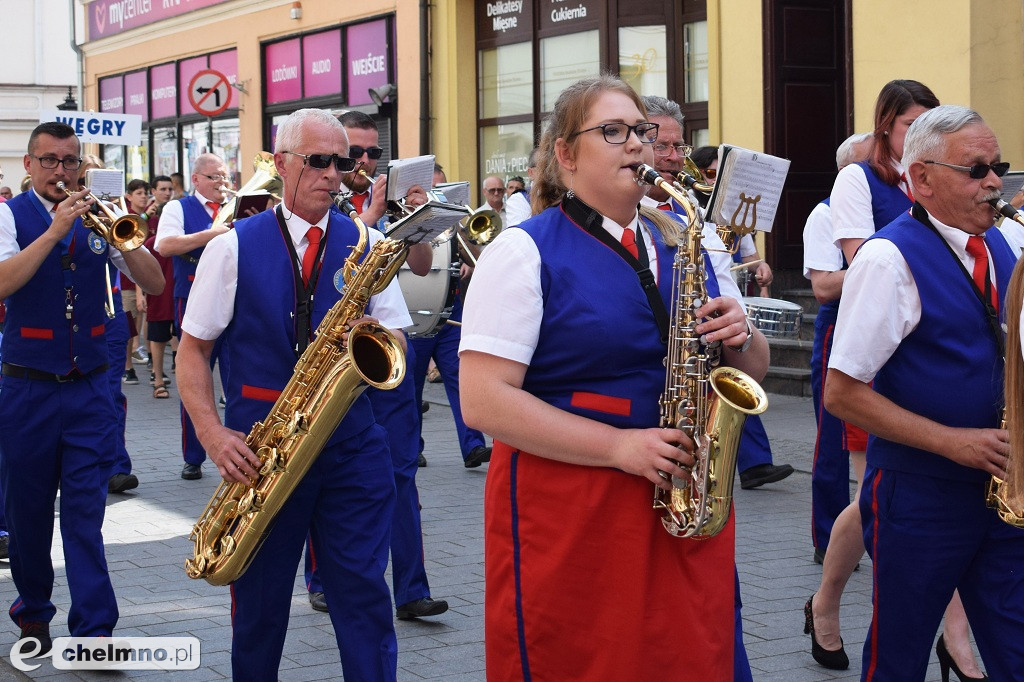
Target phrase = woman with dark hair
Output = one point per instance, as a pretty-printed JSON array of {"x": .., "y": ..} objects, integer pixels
[{"x": 582, "y": 581}]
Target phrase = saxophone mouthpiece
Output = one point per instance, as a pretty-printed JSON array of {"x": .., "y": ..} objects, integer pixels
[
  {"x": 646, "y": 173},
  {"x": 1005, "y": 209},
  {"x": 341, "y": 200}
]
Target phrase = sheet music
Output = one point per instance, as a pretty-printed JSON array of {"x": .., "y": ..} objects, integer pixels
[
  {"x": 748, "y": 189},
  {"x": 455, "y": 192},
  {"x": 427, "y": 221},
  {"x": 404, "y": 173}
]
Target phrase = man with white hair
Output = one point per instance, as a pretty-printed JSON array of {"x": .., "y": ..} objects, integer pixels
[
  {"x": 186, "y": 227},
  {"x": 260, "y": 290},
  {"x": 918, "y": 363}
]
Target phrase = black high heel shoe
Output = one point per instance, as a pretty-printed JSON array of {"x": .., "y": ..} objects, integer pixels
[
  {"x": 946, "y": 662},
  {"x": 833, "y": 660}
]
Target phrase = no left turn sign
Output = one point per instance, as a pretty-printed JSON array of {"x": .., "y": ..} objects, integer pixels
[{"x": 209, "y": 92}]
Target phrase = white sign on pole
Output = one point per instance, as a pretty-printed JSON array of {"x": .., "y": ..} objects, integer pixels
[{"x": 100, "y": 128}]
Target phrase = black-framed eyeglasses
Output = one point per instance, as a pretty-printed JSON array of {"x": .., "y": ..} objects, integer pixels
[
  {"x": 979, "y": 170},
  {"x": 343, "y": 164},
  {"x": 618, "y": 133},
  {"x": 662, "y": 149},
  {"x": 216, "y": 178},
  {"x": 374, "y": 153},
  {"x": 70, "y": 163}
]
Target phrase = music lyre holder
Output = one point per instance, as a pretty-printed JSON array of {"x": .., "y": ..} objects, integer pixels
[{"x": 426, "y": 222}]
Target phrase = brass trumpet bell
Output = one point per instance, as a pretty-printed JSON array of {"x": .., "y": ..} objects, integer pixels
[
  {"x": 265, "y": 178},
  {"x": 688, "y": 177},
  {"x": 124, "y": 233},
  {"x": 481, "y": 227}
]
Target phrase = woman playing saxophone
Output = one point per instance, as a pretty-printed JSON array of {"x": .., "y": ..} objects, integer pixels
[{"x": 582, "y": 581}]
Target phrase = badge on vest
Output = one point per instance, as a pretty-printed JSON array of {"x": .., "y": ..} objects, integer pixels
[
  {"x": 97, "y": 244},
  {"x": 339, "y": 281}
]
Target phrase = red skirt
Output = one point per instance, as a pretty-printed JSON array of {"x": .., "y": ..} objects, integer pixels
[{"x": 584, "y": 583}]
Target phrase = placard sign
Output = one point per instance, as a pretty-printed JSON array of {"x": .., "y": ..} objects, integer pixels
[
  {"x": 100, "y": 128},
  {"x": 367, "y": 59}
]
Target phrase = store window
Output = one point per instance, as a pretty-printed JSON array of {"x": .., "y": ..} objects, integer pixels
[
  {"x": 693, "y": 39},
  {"x": 165, "y": 150},
  {"x": 505, "y": 149},
  {"x": 506, "y": 80},
  {"x": 564, "y": 60},
  {"x": 643, "y": 59}
]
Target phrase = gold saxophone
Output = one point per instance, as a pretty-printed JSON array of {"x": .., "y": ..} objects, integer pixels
[
  {"x": 327, "y": 379},
  {"x": 698, "y": 505}
]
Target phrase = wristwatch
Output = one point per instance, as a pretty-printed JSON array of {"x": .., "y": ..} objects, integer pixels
[{"x": 746, "y": 343}]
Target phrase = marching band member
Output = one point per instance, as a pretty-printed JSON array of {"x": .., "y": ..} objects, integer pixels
[
  {"x": 250, "y": 290},
  {"x": 582, "y": 580},
  {"x": 928, "y": 290}
]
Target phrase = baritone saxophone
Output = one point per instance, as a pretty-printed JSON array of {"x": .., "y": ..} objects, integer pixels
[
  {"x": 328, "y": 377},
  {"x": 707, "y": 402}
]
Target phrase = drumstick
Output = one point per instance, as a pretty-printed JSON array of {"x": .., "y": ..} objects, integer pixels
[
  {"x": 456, "y": 323},
  {"x": 746, "y": 265}
]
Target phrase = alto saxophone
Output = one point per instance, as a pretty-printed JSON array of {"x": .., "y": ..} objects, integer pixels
[
  {"x": 327, "y": 379},
  {"x": 708, "y": 403}
]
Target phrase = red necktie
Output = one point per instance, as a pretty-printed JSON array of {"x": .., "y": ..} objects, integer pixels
[
  {"x": 665, "y": 207},
  {"x": 308, "y": 258},
  {"x": 629, "y": 242},
  {"x": 910, "y": 195},
  {"x": 976, "y": 247},
  {"x": 215, "y": 207},
  {"x": 358, "y": 200}
]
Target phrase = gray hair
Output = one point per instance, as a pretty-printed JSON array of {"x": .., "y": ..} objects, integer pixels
[
  {"x": 660, "y": 106},
  {"x": 846, "y": 154},
  {"x": 204, "y": 162},
  {"x": 289, "y": 131},
  {"x": 926, "y": 138}
]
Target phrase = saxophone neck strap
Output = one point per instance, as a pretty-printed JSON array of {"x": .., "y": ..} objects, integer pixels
[
  {"x": 593, "y": 223},
  {"x": 984, "y": 297},
  {"x": 303, "y": 293}
]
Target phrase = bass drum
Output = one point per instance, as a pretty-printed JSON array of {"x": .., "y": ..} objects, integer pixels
[
  {"x": 430, "y": 298},
  {"x": 774, "y": 317}
]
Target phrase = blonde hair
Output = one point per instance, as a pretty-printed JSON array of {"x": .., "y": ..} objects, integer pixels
[{"x": 1013, "y": 389}]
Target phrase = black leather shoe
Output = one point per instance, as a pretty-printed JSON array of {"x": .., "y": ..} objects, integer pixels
[
  {"x": 477, "y": 456},
  {"x": 191, "y": 472},
  {"x": 38, "y": 631},
  {"x": 318, "y": 601},
  {"x": 421, "y": 461},
  {"x": 421, "y": 608},
  {"x": 754, "y": 477},
  {"x": 5, "y": 541},
  {"x": 424, "y": 407},
  {"x": 119, "y": 483},
  {"x": 833, "y": 660},
  {"x": 946, "y": 662}
]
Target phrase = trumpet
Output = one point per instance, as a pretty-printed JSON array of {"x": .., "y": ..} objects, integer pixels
[
  {"x": 124, "y": 233},
  {"x": 480, "y": 228}
]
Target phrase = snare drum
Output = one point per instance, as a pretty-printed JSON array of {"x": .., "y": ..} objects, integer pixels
[
  {"x": 774, "y": 317},
  {"x": 430, "y": 298}
]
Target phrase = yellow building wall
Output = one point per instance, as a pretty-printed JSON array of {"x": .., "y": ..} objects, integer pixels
[
  {"x": 968, "y": 53},
  {"x": 453, "y": 89},
  {"x": 244, "y": 25},
  {"x": 735, "y": 73}
]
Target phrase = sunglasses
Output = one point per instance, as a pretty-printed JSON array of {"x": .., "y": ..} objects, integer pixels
[
  {"x": 342, "y": 163},
  {"x": 979, "y": 170},
  {"x": 710, "y": 173},
  {"x": 355, "y": 151}
]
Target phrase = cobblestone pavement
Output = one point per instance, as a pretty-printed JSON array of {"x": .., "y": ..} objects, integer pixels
[{"x": 146, "y": 531}]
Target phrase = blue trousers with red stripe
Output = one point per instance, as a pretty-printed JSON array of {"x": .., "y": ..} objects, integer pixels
[
  {"x": 397, "y": 411},
  {"x": 345, "y": 503},
  {"x": 444, "y": 348},
  {"x": 117, "y": 350},
  {"x": 830, "y": 470},
  {"x": 928, "y": 536},
  {"x": 754, "y": 449},
  {"x": 58, "y": 434}
]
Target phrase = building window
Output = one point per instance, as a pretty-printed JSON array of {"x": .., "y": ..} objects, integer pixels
[
  {"x": 506, "y": 80},
  {"x": 505, "y": 149},
  {"x": 564, "y": 60},
  {"x": 643, "y": 60}
]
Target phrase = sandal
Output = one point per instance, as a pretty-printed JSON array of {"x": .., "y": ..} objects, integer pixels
[{"x": 161, "y": 392}]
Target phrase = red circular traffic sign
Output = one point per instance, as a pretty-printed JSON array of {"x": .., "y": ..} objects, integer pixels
[{"x": 209, "y": 92}]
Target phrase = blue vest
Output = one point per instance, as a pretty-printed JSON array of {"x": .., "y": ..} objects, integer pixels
[
  {"x": 887, "y": 201},
  {"x": 949, "y": 368},
  {"x": 260, "y": 341},
  {"x": 195, "y": 219},
  {"x": 599, "y": 352},
  {"x": 37, "y": 333}
]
